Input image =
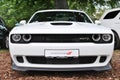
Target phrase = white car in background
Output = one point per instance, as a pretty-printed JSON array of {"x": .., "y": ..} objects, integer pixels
[
  {"x": 111, "y": 19},
  {"x": 61, "y": 40}
]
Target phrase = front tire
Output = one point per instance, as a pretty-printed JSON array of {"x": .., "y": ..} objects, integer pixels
[{"x": 5, "y": 44}]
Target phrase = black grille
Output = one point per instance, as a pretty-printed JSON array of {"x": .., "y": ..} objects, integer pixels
[
  {"x": 103, "y": 59},
  {"x": 60, "y": 38},
  {"x": 20, "y": 59},
  {"x": 70, "y": 60}
]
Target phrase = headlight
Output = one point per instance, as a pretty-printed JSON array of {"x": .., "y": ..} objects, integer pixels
[
  {"x": 16, "y": 37},
  {"x": 106, "y": 37},
  {"x": 96, "y": 37},
  {"x": 27, "y": 37}
]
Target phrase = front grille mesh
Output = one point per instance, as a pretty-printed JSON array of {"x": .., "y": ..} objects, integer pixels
[
  {"x": 61, "y": 38},
  {"x": 70, "y": 60}
]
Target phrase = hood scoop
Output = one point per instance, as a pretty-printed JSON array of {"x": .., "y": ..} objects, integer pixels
[{"x": 61, "y": 23}]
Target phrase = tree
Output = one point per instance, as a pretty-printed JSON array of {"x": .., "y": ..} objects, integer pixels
[
  {"x": 12, "y": 11},
  {"x": 61, "y": 4}
]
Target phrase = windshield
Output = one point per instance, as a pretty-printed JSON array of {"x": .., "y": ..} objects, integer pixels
[{"x": 60, "y": 16}]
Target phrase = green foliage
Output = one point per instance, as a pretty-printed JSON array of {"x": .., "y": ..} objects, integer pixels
[
  {"x": 92, "y": 6},
  {"x": 12, "y": 11}
]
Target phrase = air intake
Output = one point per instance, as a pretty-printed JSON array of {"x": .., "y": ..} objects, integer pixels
[{"x": 61, "y": 23}]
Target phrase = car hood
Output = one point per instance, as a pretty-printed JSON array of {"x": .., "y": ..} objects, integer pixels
[{"x": 60, "y": 28}]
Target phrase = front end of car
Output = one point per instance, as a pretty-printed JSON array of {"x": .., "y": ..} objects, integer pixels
[{"x": 61, "y": 49}]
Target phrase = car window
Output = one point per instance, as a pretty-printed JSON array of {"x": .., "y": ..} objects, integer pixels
[
  {"x": 112, "y": 15},
  {"x": 60, "y": 16}
]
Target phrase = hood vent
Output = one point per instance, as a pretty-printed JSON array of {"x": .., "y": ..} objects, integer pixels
[{"x": 61, "y": 23}]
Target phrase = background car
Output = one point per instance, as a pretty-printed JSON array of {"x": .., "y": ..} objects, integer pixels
[
  {"x": 3, "y": 34},
  {"x": 111, "y": 19}
]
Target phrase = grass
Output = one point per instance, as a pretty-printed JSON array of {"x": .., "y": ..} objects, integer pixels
[
  {"x": 3, "y": 50},
  {"x": 117, "y": 51}
]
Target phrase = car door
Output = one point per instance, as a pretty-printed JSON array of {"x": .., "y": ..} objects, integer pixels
[{"x": 116, "y": 25}]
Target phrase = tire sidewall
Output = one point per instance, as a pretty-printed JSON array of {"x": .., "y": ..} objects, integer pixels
[
  {"x": 5, "y": 44},
  {"x": 117, "y": 42}
]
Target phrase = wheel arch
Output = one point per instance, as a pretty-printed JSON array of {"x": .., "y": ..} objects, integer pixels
[{"x": 117, "y": 38}]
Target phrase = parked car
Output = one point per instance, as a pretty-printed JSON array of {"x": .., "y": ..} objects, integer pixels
[
  {"x": 3, "y": 34},
  {"x": 111, "y": 19},
  {"x": 60, "y": 40}
]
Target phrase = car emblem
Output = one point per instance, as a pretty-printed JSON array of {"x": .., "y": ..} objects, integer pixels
[{"x": 69, "y": 53}]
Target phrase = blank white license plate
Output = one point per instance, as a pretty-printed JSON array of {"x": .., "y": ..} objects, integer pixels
[{"x": 61, "y": 53}]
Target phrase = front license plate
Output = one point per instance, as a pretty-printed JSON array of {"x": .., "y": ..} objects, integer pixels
[{"x": 61, "y": 53}]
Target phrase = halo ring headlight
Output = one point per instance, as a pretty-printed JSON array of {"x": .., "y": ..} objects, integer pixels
[
  {"x": 106, "y": 37},
  {"x": 96, "y": 37},
  {"x": 27, "y": 37},
  {"x": 16, "y": 37}
]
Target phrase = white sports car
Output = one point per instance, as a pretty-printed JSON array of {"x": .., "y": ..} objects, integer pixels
[{"x": 61, "y": 40}]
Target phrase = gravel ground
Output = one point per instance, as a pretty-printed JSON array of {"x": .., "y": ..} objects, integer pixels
[{"x": 6, "y": 73}]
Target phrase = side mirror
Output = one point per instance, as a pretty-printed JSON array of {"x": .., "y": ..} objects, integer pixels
[
  {"x": 22, "y": 22},
  {"x": 97, "y": 22}
]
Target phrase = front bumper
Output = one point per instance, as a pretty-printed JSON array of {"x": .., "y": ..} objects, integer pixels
[
  {"x": 38, "y": 49},
  {"x": 107, "y": 67}
]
